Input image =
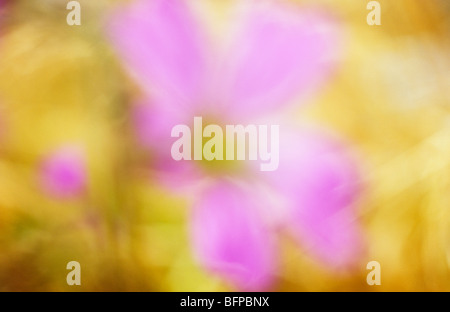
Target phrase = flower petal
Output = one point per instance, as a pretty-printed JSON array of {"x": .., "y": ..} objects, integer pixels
[
  {"x": 280, "y": 52},
  {"x": 320, "y": 181},
  {"x": 231, "y": 239},
  {"x": 160, "y": 43}
]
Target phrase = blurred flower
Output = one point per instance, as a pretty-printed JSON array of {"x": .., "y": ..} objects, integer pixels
[
  {"x": 278, "y": 53},
  {"x": 3, "y": 5},
  {"x": 63, "y": 173},
  {"x": 2, "y": 8}
]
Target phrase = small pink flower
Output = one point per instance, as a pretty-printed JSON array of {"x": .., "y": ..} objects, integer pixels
[
  {"x": 278, "y": 53},
  {"x": 62, "y": 173},
  {"x": 2, "y": 7},
  {"x": 3, "y": 4}
]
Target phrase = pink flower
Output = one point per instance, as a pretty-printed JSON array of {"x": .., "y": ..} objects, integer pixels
[
  {"x": 278, "y": 53},
  {"x": 62, "y": 173},
  {"x": 3, "y": 4}
]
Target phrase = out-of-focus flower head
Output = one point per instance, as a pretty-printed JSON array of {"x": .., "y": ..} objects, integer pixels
[
  {"x": 63, "y": 173},
  {"x": 278, "y": 53},
  {"x": 2, "y": 9}
]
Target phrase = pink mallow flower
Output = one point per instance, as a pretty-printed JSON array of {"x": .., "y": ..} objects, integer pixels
[
  {"x": 277, "y": 53},
  {"x": 62, "y": 173}
]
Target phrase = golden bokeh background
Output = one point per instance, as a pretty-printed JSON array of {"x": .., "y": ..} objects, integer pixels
[{"x": 63, "y": 85}]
